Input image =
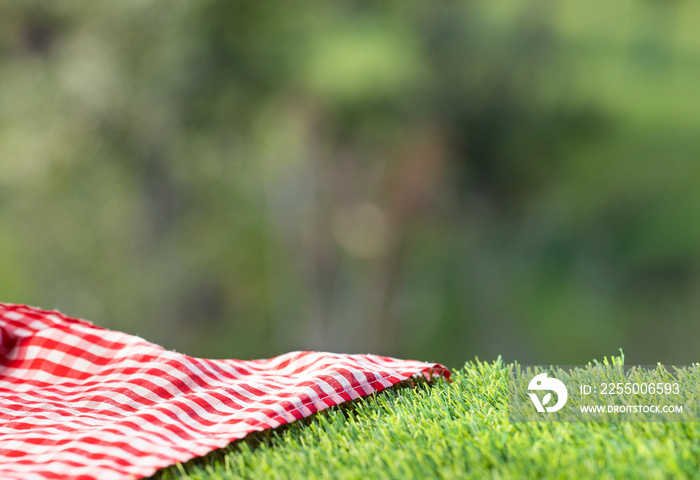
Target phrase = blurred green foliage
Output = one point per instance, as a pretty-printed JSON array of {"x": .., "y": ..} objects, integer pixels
[{"x": 238, "y": 179}]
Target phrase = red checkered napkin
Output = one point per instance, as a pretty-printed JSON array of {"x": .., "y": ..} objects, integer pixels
[{"x": 82, "y": 402}]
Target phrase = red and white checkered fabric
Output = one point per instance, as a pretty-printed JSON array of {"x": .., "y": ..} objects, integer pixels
[{"x": 82, "y": 402}]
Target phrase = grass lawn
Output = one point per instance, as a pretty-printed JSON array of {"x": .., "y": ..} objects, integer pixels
[{"x": 457, "y": 430}]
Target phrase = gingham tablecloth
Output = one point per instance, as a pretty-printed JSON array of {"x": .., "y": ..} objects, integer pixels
[{"x": 82, "y": 402}]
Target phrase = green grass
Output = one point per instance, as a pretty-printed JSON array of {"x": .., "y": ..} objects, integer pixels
[{"x": 457, "y": 430}]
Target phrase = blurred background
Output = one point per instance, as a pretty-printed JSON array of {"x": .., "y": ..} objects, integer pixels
[{"x": 431, "y": 181}]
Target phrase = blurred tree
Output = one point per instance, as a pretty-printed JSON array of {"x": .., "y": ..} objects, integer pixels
[{"x": 237, "y": 179}]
